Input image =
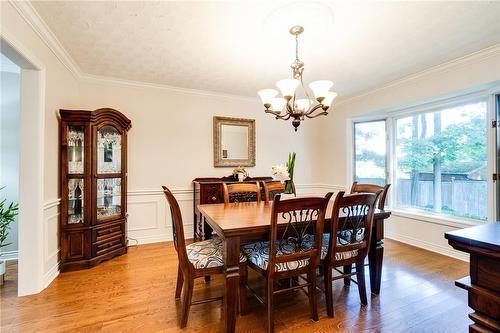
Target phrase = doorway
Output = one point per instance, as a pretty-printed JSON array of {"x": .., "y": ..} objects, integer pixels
[
  {"x": 10, "y": 109},
  {"x": 30, "y": 165}
]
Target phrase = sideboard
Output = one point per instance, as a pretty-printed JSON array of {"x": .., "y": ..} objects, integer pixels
[
  {"x": 210, "y": 191},
  {"x": 483, "y": 284}
]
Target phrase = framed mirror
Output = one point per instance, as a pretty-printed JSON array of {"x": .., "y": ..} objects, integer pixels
[{"x": 234, "y": 142}]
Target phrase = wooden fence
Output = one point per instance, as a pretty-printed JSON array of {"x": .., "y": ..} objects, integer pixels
[{"x": 468, "y": 198}]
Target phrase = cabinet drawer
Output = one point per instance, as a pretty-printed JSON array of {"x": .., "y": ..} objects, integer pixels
[
  {"x": 108, "y": 245},
  {"x": 107, "y": 232},
  {"x": 211, "y": 193}
]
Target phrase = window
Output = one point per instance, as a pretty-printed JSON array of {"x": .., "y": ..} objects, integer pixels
[
  {"x": 370, "y": 152},
  {"x": 439, "y": 160},
  {"x": 442, "y": 161}
]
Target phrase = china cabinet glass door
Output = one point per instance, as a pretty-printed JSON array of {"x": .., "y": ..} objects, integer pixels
[
  {"x": 75, "y": 147},
  {"x": 109, "y": 182}
]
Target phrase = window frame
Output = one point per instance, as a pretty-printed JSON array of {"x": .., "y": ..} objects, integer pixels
[
  {"x": 386, "y": 173},
  {"x": 391, "y": 116}
]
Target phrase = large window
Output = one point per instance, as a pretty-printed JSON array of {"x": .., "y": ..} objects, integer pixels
[
  {"x": 370, "y": 152},
  {"x": 438, "y": 160},
  {"x": 442, "y": 161}
]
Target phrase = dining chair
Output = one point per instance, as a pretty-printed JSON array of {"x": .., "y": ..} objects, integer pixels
[
  {"x": 287, "y": 255},
  {"x": 274, "y": 187},
  {"x": 347, "y": 242},
  {"x": 372, "y": 188},
  {"x": 368, "y": 188},
  {"x": 197, "y": 260},
  {"x": 241, "y": 192}
]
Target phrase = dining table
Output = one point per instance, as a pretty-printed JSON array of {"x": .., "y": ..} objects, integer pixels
[{"x": 245, "y": 222}]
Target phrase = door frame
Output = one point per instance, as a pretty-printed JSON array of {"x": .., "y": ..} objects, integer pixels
[{"x": 31, "y": 164}]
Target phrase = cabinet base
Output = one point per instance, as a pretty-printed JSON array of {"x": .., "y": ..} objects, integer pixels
[{"x": 89, "y": 263}]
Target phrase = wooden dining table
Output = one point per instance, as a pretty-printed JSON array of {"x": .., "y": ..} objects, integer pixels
[{"x": 244, "y": 222}]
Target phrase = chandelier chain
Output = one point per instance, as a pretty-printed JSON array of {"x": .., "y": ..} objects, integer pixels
[{"x": 296, "y": 47}]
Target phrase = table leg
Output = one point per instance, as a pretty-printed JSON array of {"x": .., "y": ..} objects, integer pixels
[
  {"x": 231, "y": 272},
  {"x": 376, "y": 255}
]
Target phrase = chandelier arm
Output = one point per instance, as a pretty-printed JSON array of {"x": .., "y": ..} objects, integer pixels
[
  {"x": 324, "y": 113},
  {"x": 316, "y": 107},
  {"x": 278, "y": 115},
  {"x": 275, "y": 113}
]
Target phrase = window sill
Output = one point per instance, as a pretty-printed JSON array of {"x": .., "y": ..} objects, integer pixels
[{"x": 455, "y": 222}]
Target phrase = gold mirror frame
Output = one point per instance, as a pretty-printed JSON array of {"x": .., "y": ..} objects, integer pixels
[{"x": 217, "y": 131}]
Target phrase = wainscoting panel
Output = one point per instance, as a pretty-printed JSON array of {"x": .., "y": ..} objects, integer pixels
[
  {"x": 149, "y": 218},
  {"x": 50, "y": 241}
]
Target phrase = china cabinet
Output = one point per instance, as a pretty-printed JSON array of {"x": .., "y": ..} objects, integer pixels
[{"x": 93, "y": 168}]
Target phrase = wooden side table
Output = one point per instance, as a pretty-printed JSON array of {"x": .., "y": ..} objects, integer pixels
[{"x": 483, "y": 284}]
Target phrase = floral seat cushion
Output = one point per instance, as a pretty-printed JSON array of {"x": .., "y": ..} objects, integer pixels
[
  {"x": 258, "y": 254},
  {"x": 208, "y": 254},
  {"x": 309, "y": 240}
]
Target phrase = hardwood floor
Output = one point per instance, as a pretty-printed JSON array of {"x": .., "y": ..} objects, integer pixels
[{"x": 135, "y": 293}]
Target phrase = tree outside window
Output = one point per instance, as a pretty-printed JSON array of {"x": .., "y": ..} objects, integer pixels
[{"x": 441, "y": 161}]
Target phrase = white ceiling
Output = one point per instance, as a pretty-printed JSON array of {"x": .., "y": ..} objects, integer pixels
[{"x": 239, "y": 47}]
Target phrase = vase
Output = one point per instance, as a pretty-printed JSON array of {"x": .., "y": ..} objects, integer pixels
[
  {"x": 241, "y": 177},
  {"x": 286, "y": 196}
]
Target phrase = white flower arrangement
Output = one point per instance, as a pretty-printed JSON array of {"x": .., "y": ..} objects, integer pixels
[{"x": 280, "y": 172}]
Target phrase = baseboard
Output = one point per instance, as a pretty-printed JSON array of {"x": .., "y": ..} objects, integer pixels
[
  {"x": 50, "y": 275},
  {"x": 428, "y": 246},
  {"x": 9, "y": 255}
]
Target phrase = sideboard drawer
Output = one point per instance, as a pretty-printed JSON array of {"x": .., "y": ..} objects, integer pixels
[
  {"x": 107, "y": 245},
  {"x": 107, "y": 232},
  {"x": 211, "y": 194}
]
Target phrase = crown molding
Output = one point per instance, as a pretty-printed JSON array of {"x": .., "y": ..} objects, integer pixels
[
  {"x": 141, "y": 84},
  {"x": 31, "y": 16},
  {"x": 477, "y": 56}
]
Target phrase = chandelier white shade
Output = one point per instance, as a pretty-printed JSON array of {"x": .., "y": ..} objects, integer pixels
[
  {"x": 267, "y": 95},
  {"x": 287, "y": 87},
  {"x": 320, "y": 88},
  {"x": 298, "y": 108}
]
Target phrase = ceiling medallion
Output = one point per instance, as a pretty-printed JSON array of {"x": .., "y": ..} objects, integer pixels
[{"x": 298, "y": 109}]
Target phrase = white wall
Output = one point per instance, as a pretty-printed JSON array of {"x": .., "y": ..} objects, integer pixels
[
  {"x": 10, "y": 107},
  {"x": 468, "y": 72},
  {"x": 170, "y": 144}
]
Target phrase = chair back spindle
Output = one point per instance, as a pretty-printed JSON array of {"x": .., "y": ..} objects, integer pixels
[
  {"x": 303, "y": 216},
  {"x": 241, "y": 192},
  {"x": 351, "y": 226}
]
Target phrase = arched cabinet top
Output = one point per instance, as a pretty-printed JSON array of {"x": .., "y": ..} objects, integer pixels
[{"x": 103, "y": 115}]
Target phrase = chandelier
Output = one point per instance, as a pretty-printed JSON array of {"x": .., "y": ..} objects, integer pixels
[{"x": 298, "y": 109}]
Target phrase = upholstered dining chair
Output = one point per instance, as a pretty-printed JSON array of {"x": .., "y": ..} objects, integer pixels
[
  {"x": 241, "y": 192},
  {"x": 197, "y": 260},
  {"x": 274, "y": 187},
  {"x": 287, "y": 254},
  {"x": 347, "y": 242},
  {"x": 372, "y": 188}
]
